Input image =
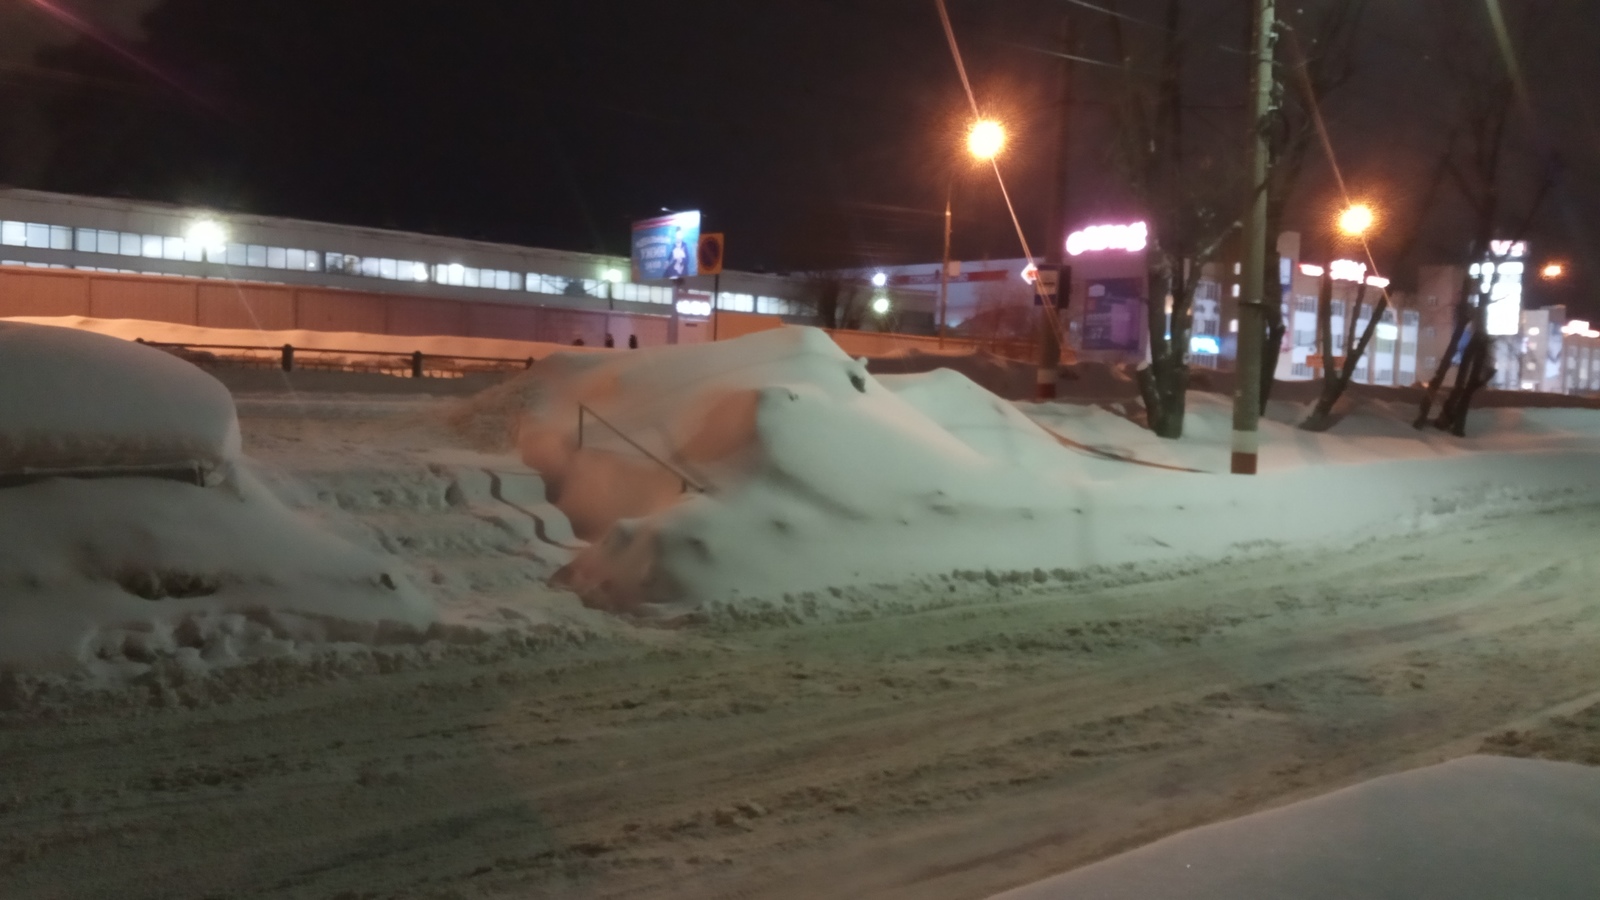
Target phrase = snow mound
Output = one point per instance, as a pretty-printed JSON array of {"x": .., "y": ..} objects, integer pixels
[
  {"x": 1478, "y": 828},
  {"x": 774, "y": 463},
  {"x": 76, "y": 400},
  {"x": 769, "y": 475},
  {"x": 121, "y": 569}
]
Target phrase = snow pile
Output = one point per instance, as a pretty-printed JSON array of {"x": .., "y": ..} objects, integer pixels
[
  {"x": 75, "y": 400},
  {"x": 780, "y": 466},
  {"x": 1478, "y": 828},
  {"x": 772, "y": 473},
  {"x": 118, "y": 572}
]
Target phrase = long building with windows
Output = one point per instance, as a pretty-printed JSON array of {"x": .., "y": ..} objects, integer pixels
[{"x": 57, "y": 231}]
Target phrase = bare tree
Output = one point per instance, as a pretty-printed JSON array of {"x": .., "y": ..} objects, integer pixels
[
  {"x": 1318, "y": 52},
  {"x": 1485, "y": 79},
  {"x": 1336, "y": 381},
  {"x": 835, "y": 300},
  {"x": 1183, "y": 194}
]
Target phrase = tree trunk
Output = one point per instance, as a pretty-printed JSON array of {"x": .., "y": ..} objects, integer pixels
[
  {"x": 1272, "y": 313},
  {"x": 1443, "y": 369},
  {"x": 1164, "y": 383},
  {"x": 1353, "y": 355}
]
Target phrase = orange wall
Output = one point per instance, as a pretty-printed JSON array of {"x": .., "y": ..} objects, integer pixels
[{"x": 272, "y": 307}]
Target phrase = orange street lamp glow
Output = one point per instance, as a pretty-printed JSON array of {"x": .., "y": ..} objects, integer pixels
[
  {"x": 986, "y": 138},
  {"x": 1552, "y": 271},
  {"x": 1356, "y": 219}
]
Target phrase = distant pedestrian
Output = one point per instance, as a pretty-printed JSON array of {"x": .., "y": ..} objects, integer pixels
[
  {"x": 577, "y": 342},
  {"x": 610, "y": 341},
  {"x": 633, "y": 342}
]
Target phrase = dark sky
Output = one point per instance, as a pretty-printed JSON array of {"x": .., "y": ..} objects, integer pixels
[{"x": 812, "y": 131}]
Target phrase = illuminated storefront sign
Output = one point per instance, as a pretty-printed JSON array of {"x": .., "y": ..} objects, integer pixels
[{"x": 1098, "y": 238}]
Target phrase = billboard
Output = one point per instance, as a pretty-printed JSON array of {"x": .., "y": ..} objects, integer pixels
[
  {"x": 1112, "y": 313},
  {"x": 665, "y": 247}
]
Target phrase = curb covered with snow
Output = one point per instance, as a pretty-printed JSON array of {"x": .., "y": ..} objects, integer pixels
[{"x": 1477, "y": 828}]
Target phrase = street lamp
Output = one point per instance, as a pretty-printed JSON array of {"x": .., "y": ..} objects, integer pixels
[
  {"x": 208, "y": 235},
  {"x": 880, "y": 305},
  {"x": 985, "y": 139},
  {"x": 1553, "y": 271},
  {"x": 1356, "y": 219}
]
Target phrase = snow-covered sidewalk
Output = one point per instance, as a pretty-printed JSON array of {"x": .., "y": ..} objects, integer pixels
[{"x": 1476, "y": 828}]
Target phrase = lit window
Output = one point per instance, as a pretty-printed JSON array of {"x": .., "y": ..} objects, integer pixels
[
  {"x": 255, "y": 255},
  {"x": 172, "y": 248},
  {"x": 387, "y": 268},
  {"x": 150, "y": 246},
  {"x": 14, "y": 234},
  {"x": 38, "y": 235},
  {"x": 502, "y": 280},
  {"x": 130, "y": 244},
  {"x": 419, "y": 271},
  {"x": 237, "y": 254},
  {"x": 311, "y": 260},
  {"x": 60, "y": 237},
  {"x": 277, "y": 258},
  {"x": 84, "y": 240},
  {"x": 367, "y": 266},
  {"x": 294, "y": 259},
  {"x": 472, "y": 277},
  {"x": 107, "y": 241}
]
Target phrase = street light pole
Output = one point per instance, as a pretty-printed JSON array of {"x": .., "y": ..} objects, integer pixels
[
  {"x": 1247, "y": 387},
  {"x": 944, "y": 267}
]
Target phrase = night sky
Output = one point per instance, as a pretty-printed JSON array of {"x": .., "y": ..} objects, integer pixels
[{"x": 815, "y": 132}]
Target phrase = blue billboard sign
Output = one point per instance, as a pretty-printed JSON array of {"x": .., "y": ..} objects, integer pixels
[
  {"x": 1112, "y": 313},
  {"x": 665, "y": 247}
]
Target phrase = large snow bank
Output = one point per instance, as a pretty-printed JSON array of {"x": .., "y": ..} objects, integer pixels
[
  {"x": 1478, "y": 828},
  {"x": 118, "y": 571},
  {"x": 76, "y": 400},
  {"x": 817, "y": 476}
]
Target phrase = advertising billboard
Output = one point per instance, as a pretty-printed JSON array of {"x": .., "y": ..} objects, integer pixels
[
  {"x": 665, "y": 247},
  {"x": 1112, "y": 314}
]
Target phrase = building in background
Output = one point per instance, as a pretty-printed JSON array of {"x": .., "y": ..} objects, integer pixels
[{"x": 57, "y": 231}]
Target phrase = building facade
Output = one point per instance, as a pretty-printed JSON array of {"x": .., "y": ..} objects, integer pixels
[{"x": 46, "y": 230}]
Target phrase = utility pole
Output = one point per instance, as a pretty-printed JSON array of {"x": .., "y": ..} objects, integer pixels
[
  {"x": 1049, "y": 371},
  {"x": 1247, "y": 380},
  {"x": 944, "y": 269}
]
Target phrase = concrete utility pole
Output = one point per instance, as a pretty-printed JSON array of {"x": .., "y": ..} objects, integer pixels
[
  {"x": 1247, "y": 386},
  {"x": 1049, "y": 371},
  {"x": 944, "y": 268}
]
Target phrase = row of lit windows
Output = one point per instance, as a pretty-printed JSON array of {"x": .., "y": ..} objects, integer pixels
[
  {"x": 152, "y": 246},
  {"x": 639, "y": 292}
]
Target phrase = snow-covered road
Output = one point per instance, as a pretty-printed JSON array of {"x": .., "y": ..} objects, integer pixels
[{"x": 950, "y": 752}]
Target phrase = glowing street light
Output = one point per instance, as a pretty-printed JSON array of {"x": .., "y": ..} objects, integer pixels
[
  {"x": 614, "y": 276},
  {"x": 208, "y": 235},
  {"x": 1552, "y": 271},
  {"x": 986, "y": 138},
  {"x": 1356, "y": 219},
  {"x": 880, "y": 305},
  {"x": 879, "y": 279}
]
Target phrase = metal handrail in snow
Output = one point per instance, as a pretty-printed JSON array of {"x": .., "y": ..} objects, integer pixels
[{"x": 688, "y": 482}]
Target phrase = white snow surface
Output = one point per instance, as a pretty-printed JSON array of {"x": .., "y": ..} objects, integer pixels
[
  {"x": 1475, "y": 828},
  {"x": 818, "y": 476},
  {"x": 113, "y": 572},
  {"x": 73, "y": 399}
]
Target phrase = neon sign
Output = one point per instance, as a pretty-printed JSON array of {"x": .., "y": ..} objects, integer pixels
[{"x": 1097, "y": 238}]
